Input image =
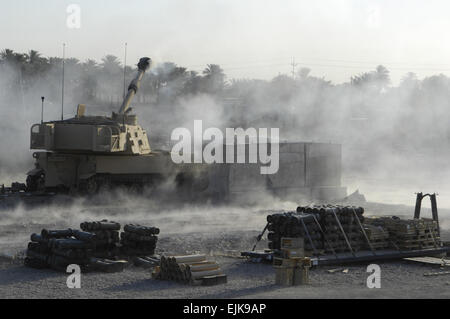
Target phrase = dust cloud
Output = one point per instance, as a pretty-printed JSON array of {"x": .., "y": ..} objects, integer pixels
[
  {"x": 204, "y": 222},
  {"x": 394, "y": 137}
]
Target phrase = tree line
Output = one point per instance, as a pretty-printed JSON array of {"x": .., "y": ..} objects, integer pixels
[
  {"x": 95, "y": 82},
  {"x": 412, "y": 115}
]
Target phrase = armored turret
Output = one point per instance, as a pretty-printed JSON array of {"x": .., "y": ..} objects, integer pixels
[
  {"x": 119, "y": 134},
  {"x": 85, "y": 153}
]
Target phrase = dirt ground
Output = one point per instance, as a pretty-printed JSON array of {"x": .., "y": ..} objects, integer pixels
[
  {"x": 245, "y": 280},
  {"x": 204, "y": 229}
]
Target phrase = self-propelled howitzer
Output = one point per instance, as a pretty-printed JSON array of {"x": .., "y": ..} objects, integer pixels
[{"x": 84, "y": 153}]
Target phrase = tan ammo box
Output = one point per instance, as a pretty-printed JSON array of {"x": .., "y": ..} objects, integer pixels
[
  {"x": 292, "y": 253},
  {"x": 292, "y": 247},
  {"x": 292, "y": 272},
  {"x": 284, "y": 276},
  {"x": 291, "y": 276},
  {"x": 301, "y": 276},
  {"x": 292, "y": 243}
]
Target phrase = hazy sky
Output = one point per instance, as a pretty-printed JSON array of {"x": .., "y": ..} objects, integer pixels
[{"x": 249, "y": 38}]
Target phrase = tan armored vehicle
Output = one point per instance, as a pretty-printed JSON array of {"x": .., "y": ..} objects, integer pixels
[{"x": 84, "y": 153}]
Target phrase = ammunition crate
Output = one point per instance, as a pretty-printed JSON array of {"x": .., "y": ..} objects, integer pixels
[
  {"x": 292, "y": 253},
  {"x": 291, "y": 276},
  {"x": 292, "y": 243},
  {"x": 284, "y": 276},
  {"x": 301, "y": 276}
]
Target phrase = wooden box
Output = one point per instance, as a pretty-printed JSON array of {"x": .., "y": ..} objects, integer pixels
[
  {"x": 284, "y": 276},
  {"x": 292, "y": 243}
]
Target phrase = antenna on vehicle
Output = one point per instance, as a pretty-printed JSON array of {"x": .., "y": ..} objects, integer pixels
[
  {"x": 294, "y": 65},
  {"x": 124, "y": 71},
  {"x": 62, "y": 93},
  {"x": 42, "y": 109}
]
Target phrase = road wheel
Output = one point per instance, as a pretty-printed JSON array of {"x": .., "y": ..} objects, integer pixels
[
  {"x": 31, "y": 183},
  {"x": 36, "y": 183},
  {"x": 89, "y": 186},
  {"x": 41, "y": 183}
]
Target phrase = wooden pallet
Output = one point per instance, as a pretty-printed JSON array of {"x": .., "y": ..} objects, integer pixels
[
  {"x": 417, "y": 241},
  {"x": 417, "y": 235},
  {"x": 213, "y": 280},
  {"x": 292, "y": 262},
  {"x": 417, "y": 246},
  {"x": 442, "y": 262},
  {"x": 378, "y": 244}
]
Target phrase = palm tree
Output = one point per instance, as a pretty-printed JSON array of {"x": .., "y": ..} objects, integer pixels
[
  {"x": 410, "y": 80},
  {"x": 33, "y": 56},
  {"x": 382, "y": 76},
  {"x": 55, "y": 61},
  {"x": 215, "y": 78},
  {"x": 178, "y": 73},
  {"x": 35, "y": 64},
  {"x": 111, "y": 78},
  {"x": 111, "y": 64},
  {"x": 20, "y": 58},
  {"x": 362, "y": 79},
  {"x": 192, "y": 84},
  {"x": 89, "y": 84},
  {"x": 71, "y": 62},
  {"x": 7, "y": 55},
  {"x": 378, "y": 79},
  {"x": 90, "y": 66},
  {"x": 213, "y": 70},
  {"x": 303, "y": 73}
]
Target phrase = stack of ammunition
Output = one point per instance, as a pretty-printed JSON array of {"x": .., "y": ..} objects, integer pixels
[
  {"x": 294, "y": 225},
  {"x": 342, "y": 227},
  {"x": 90, "y": 247},
  {"x": 192, "y": 269},
  {"x": 106, "y": 237},
  {"x": 324, "y": 228},
  {"x": 335, "y": 229},
  {"x": 377, "y": 235},
  {"x": 59, "y": 248},
  {"x": 138, "y": 240},
  {"x": 409, "y": 234}
]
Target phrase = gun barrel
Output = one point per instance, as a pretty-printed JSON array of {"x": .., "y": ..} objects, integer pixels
[{"x": 143, "y": 65}]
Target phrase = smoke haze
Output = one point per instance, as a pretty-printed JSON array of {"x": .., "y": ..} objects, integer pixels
[{"x": 394, "y": 137}]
